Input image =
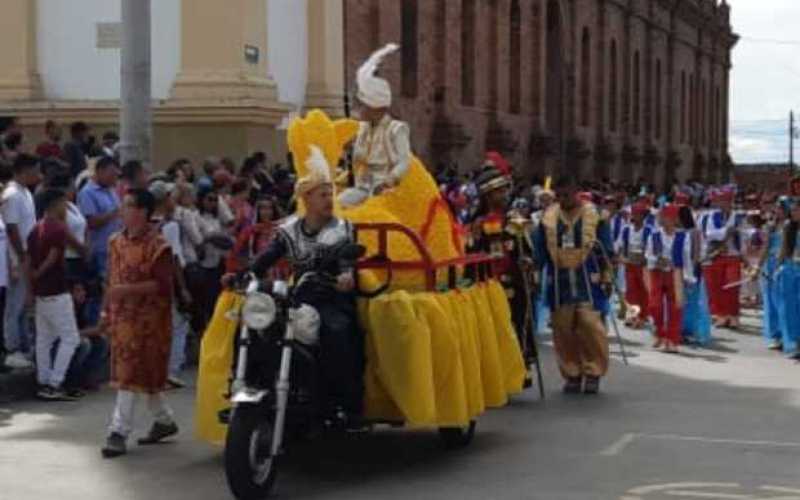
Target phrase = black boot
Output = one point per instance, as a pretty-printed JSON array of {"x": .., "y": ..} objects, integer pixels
[
  {"x": 592, "y": 385},
  {"x": 573, "y": 385}
]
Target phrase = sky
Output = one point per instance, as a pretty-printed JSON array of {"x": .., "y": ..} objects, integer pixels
[{"x": 765, "y": 80}]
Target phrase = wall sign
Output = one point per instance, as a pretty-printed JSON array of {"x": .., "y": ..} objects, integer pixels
[
  {"x": 251, "y": 54},
  {"x": 109, "y": 35}
]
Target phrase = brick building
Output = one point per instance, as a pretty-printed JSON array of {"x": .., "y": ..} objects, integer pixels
[{"x": 619, "y": 88}]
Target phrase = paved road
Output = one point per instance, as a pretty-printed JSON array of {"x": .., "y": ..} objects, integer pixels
[{"x": 715, "y": 423}]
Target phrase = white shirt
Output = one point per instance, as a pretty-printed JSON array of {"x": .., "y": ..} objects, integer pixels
[
  {"x": 384, "y": 149},
  {"x": 78, "y": 226},
  {"x": 172, "y": 233},
  {"x": 18, "y": 209},
  {"x": 210, "y": 225},
  {"x": 191, "y": 238},
  {"x": 3, "y": 255}
]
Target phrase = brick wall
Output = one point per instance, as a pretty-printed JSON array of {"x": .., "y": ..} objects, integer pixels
[{"x": 447, "y": 131}]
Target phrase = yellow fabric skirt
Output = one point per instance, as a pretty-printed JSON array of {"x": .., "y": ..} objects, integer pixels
[{"x": 433, "y": 359}]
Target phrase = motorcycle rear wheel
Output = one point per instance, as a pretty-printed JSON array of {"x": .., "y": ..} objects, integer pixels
[
  {"x": 457, "y": 437},
  {"x": 250, "y": 469}
]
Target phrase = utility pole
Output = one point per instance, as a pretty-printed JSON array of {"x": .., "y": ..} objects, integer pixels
[{"x": 136, "y": 120}]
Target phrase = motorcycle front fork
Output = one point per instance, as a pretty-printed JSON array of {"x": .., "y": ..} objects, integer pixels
[{"x": 282, "y": 387}]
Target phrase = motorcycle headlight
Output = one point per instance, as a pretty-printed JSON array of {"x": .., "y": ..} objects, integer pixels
[{"x": 258, "y": 311}]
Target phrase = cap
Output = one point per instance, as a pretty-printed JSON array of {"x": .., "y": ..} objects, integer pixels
[
  {"x": 161, "y": 190},
  {"x": 670, "y": 211}
]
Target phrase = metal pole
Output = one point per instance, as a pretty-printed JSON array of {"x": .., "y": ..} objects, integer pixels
[{"x": 135, "y": 113}]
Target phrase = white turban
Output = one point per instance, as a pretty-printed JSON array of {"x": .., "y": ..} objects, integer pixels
[
  {"x": 373, "y": 91},
  {"x": 319, "y": 173}
]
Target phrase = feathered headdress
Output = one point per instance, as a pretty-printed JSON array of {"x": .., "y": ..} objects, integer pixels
[
  {"x": 373, "y": 91},
  {"x": 319, "y": 173}
]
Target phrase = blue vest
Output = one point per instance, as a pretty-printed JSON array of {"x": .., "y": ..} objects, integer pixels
[
  {"x": 677, "y": 247},
  {"x": 616, "y": 226},
  {"x": 719, "y": 222}
]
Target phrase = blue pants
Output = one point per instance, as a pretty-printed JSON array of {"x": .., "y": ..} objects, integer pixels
[
  {"x": 696, "y": 314},
  {"x": 15, "y": 321},
  {"x": 770, "y": 291}
]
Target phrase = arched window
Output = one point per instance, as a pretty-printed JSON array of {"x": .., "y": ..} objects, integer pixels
[
  {"x": 703, "y": 101},
  {"x": 657, "y": 100},
  {"x": 468, "y": 52},
  {"x": 514, "y": 47},
  {"x": 683, "y": 107},
  {"x": 637, "y": 94},
  {"x": 717, "y": 117},
  {"x": 613, "y": 87},
  {"x": 410, "y": 48},
  {"x": 692, "y": 110},
  {"x": 586, "y": 75}
]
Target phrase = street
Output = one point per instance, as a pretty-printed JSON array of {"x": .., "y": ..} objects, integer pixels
[{"x": 709, "y": 423}]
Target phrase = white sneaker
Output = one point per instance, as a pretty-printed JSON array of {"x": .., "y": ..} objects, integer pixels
[{"x": 18, "y": 360}]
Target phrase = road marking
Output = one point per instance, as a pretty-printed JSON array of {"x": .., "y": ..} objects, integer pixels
[
  {"x": 688, "y": 490},
  {"x": 644, "y": 490},
  {"x": 675, "y": 437},
  {"x": 619, "y": 446}
]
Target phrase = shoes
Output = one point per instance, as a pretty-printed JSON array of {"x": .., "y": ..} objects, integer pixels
[
  {"x": 573, "y": 386},
  {"x": 175, "y": 382},
  {"x": 158, "y": 433},
  {"x": 115, "y": 446},
  {"x": 794, "y": 355},
  {"x": 775, "y": 345},
  {"x": 18, "y": 360},
  {"x": 75, "y": 393},
  {"x": 658, "y": 343},
  {"x": 3, "y": 367},
  {"x": 592, "y": 385},
  {"x": 49, "y": 393}
]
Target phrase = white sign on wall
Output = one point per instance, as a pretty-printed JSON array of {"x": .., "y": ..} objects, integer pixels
[{"x": 109, "y": 35}]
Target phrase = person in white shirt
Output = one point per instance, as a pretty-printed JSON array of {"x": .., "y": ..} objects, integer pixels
[
  {"x": 670, "y": 264},
  {"x": 3, "y": 285},
  {"x": 382, "y": 149},
  {"x": 171, "y": 230},
  {"x": 216, "y": 244},
  {"x": 19, "y": 214},
  {"x": 631, "y": 247}
]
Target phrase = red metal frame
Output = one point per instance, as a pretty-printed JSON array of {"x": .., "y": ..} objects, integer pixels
[{"x": 426, "y": 264}]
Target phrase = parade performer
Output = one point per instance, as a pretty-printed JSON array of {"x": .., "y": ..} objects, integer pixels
[
  {"x": 696, "y": 315},
  {"x": 669, "y": 261},
  {"x": 770, "y": 291},
  {"x": 631, "y": 248},
  {"x": 138, "y": 315},
  {"x": 382, "y": 149},
  {"x": 723, "y": 232},
  {"x": 506, "y": 237},
  {"x": 789, "y": 283},
  {"x": 575, "y": 245}
]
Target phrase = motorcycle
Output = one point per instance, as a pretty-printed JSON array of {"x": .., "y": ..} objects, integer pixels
[{"x": 275, "y": 388}]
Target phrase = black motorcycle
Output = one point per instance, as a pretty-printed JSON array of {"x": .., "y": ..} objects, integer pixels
[{"x": 275, "y": 390}]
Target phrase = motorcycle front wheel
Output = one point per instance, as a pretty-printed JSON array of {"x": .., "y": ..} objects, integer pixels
[{"x": 250, "y": 468}]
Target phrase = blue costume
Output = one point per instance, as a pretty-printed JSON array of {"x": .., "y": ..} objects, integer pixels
[
  {"x": 696, "y": 313},
  {"x": 770, "y": 291},
  {"x": 789, "y": 289}
]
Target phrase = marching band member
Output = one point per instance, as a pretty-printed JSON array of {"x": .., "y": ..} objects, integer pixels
[
  {"x": 382, "y": 149},
  {"x": 575, "y": 245},
  {"x": 631, "y": 247},
  {"x": 725, "y": 252},
  {"x": 669, "y": 260}
]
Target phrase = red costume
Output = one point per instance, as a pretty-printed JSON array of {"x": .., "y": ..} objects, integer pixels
[{"x": 632, "y": 245}]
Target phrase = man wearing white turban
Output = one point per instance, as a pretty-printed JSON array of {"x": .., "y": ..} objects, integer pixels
[{"x": 382, "y": 150}]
